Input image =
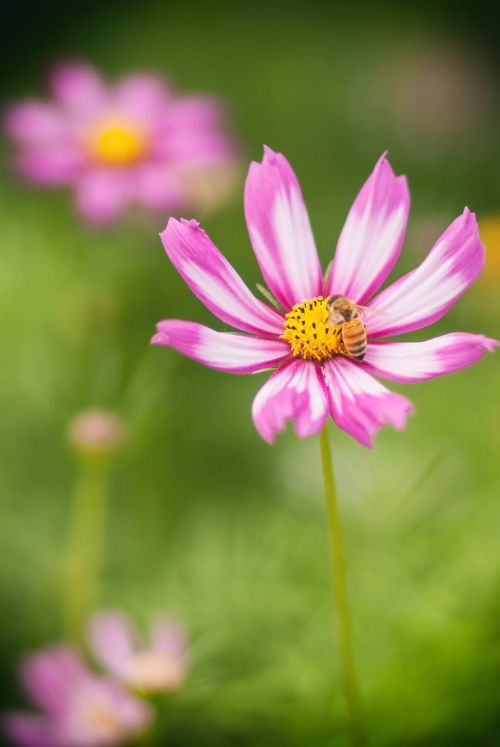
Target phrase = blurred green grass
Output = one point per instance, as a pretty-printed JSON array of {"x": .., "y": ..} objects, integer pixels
[{"x": 205, "y": 519}]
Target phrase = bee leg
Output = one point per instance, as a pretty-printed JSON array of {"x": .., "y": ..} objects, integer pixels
[{"x": 340, "y": 339}]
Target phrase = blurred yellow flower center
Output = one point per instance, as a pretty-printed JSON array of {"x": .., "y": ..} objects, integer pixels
[
  {"x": 118, "y": 144},
  {"x": 153, "y": 671},
  {"x": 308, "y": 332},
  {"x": 101, "y": 718}
]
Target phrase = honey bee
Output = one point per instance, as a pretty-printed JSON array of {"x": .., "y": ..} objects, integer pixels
[{"x": 351, "y": 331}]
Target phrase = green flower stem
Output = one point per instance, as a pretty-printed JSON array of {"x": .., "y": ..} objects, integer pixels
[
  {"x": 341, "y": 601},
  {"x": 85, "y": 543}
]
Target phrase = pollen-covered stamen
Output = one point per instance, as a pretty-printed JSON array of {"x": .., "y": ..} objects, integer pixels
[{"x": 308, "y": 332}]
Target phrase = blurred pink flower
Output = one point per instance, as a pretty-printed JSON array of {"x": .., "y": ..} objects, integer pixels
[
  {"x": 315, "y": 377},
  {"x": 78, "y": 708},
  {"x": 132, "y": 142},
  {"x": 160, "y": 666}
]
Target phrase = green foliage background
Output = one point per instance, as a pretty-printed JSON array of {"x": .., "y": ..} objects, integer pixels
[{"x": 205, "y": 520}]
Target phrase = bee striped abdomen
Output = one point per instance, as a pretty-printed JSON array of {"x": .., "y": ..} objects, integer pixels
[{"x": 354, "y": 339}]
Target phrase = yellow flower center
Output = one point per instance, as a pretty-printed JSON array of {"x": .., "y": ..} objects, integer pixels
[
  {"x": 117, "y": 144},
  {"x": 308, "y": 332},
  {"x": 101, "y": 719}
]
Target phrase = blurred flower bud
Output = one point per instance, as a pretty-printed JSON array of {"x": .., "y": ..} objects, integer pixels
[{"x": 97, "y": 432}]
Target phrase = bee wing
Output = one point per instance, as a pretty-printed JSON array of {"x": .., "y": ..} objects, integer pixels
[
  {"x": 366, "y": 311},
  {"x": 335, "y": 317}
]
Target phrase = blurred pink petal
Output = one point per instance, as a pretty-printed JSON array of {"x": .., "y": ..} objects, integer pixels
[
  {"x": 143, "y": 94},
  {"x": 47, "y": 676},
  {"x": 102, "y": 712},
  {"x": 191, "y": 133},
  {"x": 156, "y": 187},
  {"x": 55, "y": 167},
  {"x": 101, "y": 195},
  {"x": 158, "y": 666},
  {"x": 78, "y": 87},
  {"x": 194, "y": 149},
  {"x": 112, "y": 640},
  {"x": 224, "y": 351},
  {"x": 169, "y": 637},
  {"x": 31, "y": 731},
  {"x": 193, "y": 113},
  {"x": 373, "y": 235},
  {"x": 34, "y": 123},
  {"x": 280, "y": 231}
]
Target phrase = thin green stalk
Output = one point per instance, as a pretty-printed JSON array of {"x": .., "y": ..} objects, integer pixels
[
  {"x": 341, "y": 600},
  {"x": 85, "y": 544}
]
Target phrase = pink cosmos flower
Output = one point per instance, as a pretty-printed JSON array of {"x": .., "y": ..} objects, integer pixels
[
  {"x": 78, "y": 708},
  {"x": 315, "y": 379},
  {"x": 132, "y": 142},
  {"x": 159, "y": 667}
]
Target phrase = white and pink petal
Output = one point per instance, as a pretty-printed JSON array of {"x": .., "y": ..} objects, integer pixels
[
  {"x": 419, "y": 361},
  {"x": 223, "y": 351},
  {"x": 359, "y": 404},
  {"x": 280, "y": 231},
  {"x": 372, "y": 237},
  {"x": 295, "y": 392},
  {"x": 214, "y": 281},
  {"x": 425, "y": 294}
]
